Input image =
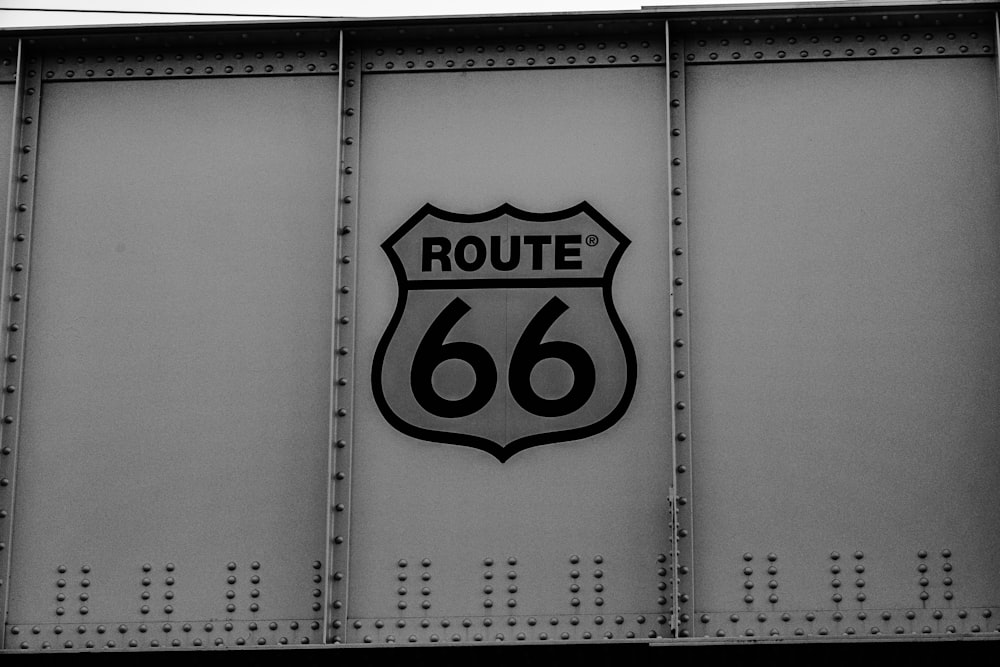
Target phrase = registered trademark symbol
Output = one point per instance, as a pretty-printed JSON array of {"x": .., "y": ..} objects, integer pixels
[{"x": 592, "y": 240}]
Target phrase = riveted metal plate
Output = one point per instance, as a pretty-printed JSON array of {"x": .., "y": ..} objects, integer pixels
[
  {"x": 184, "y": 61},
  {"x": 178, "y": 354},
  {"x": 344, "y": 352},
  {"x": 543, "y": 52},
  {"x": 19, "y": 214},
  {"x": 501, "y": 628},
  {"x": 852, "y": 622},
  {"x": 500, "y": 534},
  {"x": 843, "y": 20},
  {"x": 681, "y": 562},
  {"x": 172, "y": 633},
  {"x": 828, "y": 378},
  {"x": 944, "y": 41}
]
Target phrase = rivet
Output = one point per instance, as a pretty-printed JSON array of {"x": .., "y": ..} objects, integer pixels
[
  {"x": 678, "y": 281},
  {"x": 349, "y": 111},
  {"x": 19, "y": 267},
  {"x": 8, "y": 419},
  {"x": 678, "y": 222},
  {"x": 921, "y": 554},
  {"x": 678, "y": 192},
  {"x": 680, "y": 374},
  {"x": 834, "y": 555},
  {"x": 679, "y": 342},
  {"x": 346, "y": 259},
  {"x": 341, "y": 412},
  {"x": 946, "y": 553},
  {"x": 347, "y": 199},
  {"x": 22, "y": 207}
]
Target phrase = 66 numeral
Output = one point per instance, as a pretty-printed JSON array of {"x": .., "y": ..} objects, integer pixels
[{"x": 528, "y": 353}]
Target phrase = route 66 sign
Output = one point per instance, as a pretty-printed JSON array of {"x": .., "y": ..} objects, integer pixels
[{"x": 505, "y": 335}]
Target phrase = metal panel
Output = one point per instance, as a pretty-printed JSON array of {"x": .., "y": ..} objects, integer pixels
[
  {"x": 682, "y": 556},
  {"x": 174, "y": 422},
  {"x": 566, "y": 540},
  {"x": 844, "y": 270}
]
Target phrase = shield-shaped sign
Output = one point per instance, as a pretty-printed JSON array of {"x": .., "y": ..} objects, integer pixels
[{"x": 505, "y": 335}]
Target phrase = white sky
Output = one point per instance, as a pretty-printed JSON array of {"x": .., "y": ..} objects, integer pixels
[{"x": 13, "y": 14}]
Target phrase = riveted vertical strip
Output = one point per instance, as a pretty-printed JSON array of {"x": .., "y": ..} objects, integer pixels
[
  {"x": 683, "y": 552},
  {"x": 14, "y": 287},
  {"x": 344, "y": 337}
]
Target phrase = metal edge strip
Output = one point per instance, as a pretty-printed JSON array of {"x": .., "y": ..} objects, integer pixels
[
  {"x": 345, "y": 335},
  {"x": 14, "y": 291},
  {"x": 683, "y": 555}
]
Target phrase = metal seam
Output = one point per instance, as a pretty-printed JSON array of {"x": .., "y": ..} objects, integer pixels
[
  {"x": 537, "y": 53},
  {"x": 345, "y": 335},
  {"x": 859, "y": 44},
  {"x": 20, "y": 210},
  {"x": 186, "y": 63},
  {"x": 332, "y": 434},
  {"x": 680, "y": 337}
]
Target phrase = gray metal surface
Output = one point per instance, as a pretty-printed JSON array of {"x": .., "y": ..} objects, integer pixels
[
  {"x": 211, "y": 424},
  {"x": 845, "y": 372},
  {"x": 578, "y": 529},
  {"x": 344, "y": 349},
  {"x": 18, "y": 214},
  {"x": 682, "y": 558},
  {"x": 890, "y": 43},
  {"x": 174, "y": 427}
]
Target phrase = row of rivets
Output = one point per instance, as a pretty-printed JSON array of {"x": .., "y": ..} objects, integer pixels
[
  {"x": 682, "y": 551},
  {"x": 147, "y": 581},
  {"x": 839, "y": 22},
  {"x": 494, "y": 586},
  {"x": 184, "y": 633},
  {"x": 947, "y": 581},
  {"x": 421, "y": 584},
  {"x": 189, "y": 63},
  {"x": 533, "y": 628},
  {"x": 839, "y": 622},
  {"x": 597, "y": 584},
  {"x": 770, "y": 569},
  {"x": 841, "y": 46},
  {"x": 80, "y": 598},
  {"x": 344, "y": 334},
  {"x": 233, "y": 576},
  {"x": 838, "y": 570},
  {"x": 14, "y": 286},
  {"x": 506, "y": 55}
]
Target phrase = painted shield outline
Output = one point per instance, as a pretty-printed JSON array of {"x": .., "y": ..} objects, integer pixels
[{"x": 505, "y": 452}]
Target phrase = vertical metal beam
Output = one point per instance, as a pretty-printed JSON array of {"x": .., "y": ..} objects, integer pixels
[
  {"x": 680, "y": 495},
  {"x": 332, "y": 436},
  {"x": 14, "y": 288},
  {"x": 343, "y": 352}
]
